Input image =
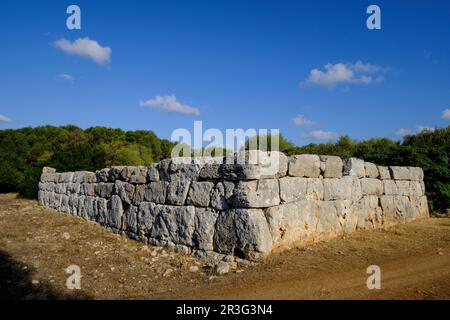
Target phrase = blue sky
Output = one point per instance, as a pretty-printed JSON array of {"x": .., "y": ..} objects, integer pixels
[{"x": 309, "y": 68}]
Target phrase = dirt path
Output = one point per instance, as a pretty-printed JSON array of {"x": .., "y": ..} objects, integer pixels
[{"x": 36, "y": 245}]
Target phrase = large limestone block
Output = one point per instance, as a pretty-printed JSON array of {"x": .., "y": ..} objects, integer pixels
[
  {"x": 153, "y": 173},
  {"x": 88, "y": 189},
  {"x": 304, "y": 165},
  {"x": 84, "y": 177},
  {"x": 384, "y": 173},
  {"x": 124, "y": 190},
  {"x": 130, "y": 219},
  {"x": 102, "y": 211},
  {"x": 271, "y": 164},
  {"x": 65, "y": 177},
  {"x": 104, "y": 175},
  {"x": 146, "y": 217},
  {"x": 293, "y": 188},
  {"x": 105, "y": 189},
  {"x": 221, "y": 195},
  {"x": 400, "y": 173},
  {"x": 180, "y": 169},
  {"x": 199, "y": 193},
  {"x": 314, "y": 189},
  {"x": 73, "y": 187},
  {"x": 390, "y": 187},
  {"x": 205, "y": 221},
  {"x": 243, "y": 232},
  {"x": 370, "y": 214},
  {"x": 156, "y": 192},
  {"x": 257, "y": 194},
  {"x": 416, "y": 173},
  {"x": 291, "y": 224},
  {"x": 240, "y": 172},
  {"x": 177, "y": 191},
  {"x": 115, "y": 212},
  {"x": 403, "y": 187},
  {"x": 347, "y": 215},
  {"x": 332, "y": 166},
  {"x": 337, "y": 189},
  {"x": 139, "y": 194},
  {"x": 328, "y": 222},
  {"x": 371, "y": 186},
  {"x": 415, "y": 189},
  {"x": 354, "y": 167},
  {"x": 211, "y": 172},
  {"x": 138, "y": 175},
  {"x": 371, "y": 170},
  {"x": 175, "y": 224}
]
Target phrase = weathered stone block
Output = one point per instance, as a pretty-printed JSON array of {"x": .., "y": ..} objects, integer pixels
[
  {"x": 130, "y": 219},
  {"x": 139, "y": 194},
  {"x": 153, "y": 173},
  {"x": 205, "y": 221},
  {"x": 257, "y": 194},
  {"x": 104, "y": 175},
  {"x": 293, "y": 188},
  {"x": 314, "y": 189},
  {"x": 88, "y": 189},
  {"x": 84, "y": 177},
  {"x": 403, "y": 188},
  {"x": 332, "y": 166},
  {"x": 384, "y": 173},
  {"x": 156, "y": 192},
  {"x": 124, "y": 190},
  {"x": 415, "y": 189},
  {"x": 371, "y": 186},
  {"x": 304, "y": 165},
  {"x": 337, "y": 189},
  {"x": 390, "y": 187},
  {"x": 400, "y": 173},
  {"x": 354, "y": 167},
  {"x": 177, "y": 192},
  {"x": 199, "y": 193},
  {"x": 221, "y": 195},
  {"x": 371, "y": 170},
  {"x": 138, "y": 175},
  {"x": 416, "y": 173},
  {"x": 105, "y": 190},
  {"x": 115, "y": 212}
]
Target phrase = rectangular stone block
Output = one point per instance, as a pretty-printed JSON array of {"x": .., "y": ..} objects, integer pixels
[
  {"x": 156, "y": 192},
  {"x": 400, "y": 173},
  {"x": 221, "y": 195},
  {"x": 332, "y": 166},
  {"x": 199, "y": 193},
  {"x": 84, "y": 177},
  {"x": 403, "y": 188},
  {"x": 177, "y": 192},
  {"x": 292, "y": 188},
  {"x": 257, "y": 194},
  {"x": 304, "y": 165},
  {"x": 371, "y": 186},
  {"x": 371, "y": 170},
  {"x": 354, "y": 167},
  {"x": 337, "y": 189},
  {"x": 384, "y": 173},
  {"x": 115, "y": 212},
  {"x": 205, "y": 221},
  {"x": 416, "y": 173},
  {"x": 390, "y": 187}
]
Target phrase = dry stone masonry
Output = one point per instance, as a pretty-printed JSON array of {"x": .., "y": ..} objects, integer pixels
[{"x": 209, "y": 207}]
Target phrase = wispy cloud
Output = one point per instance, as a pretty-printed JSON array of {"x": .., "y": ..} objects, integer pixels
[
  {"x": 87, "y": 48},
  {"x": 65, "y": 77},
  {"x": 170, "y": 104},
  {"x": 345, "y": 73},
  {"x": 301, "y": 121},
  {"x": 320, "y": 135},
  {"x": 5, "y": 118},
  {"x": 446, "y": 114},
  {"x": 403, "y": 132}
]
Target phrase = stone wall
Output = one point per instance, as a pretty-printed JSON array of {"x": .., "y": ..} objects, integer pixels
[{"x": 209, "y": 206}]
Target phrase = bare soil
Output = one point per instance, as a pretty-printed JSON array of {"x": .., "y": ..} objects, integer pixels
[{"x": 37, "y": 245}]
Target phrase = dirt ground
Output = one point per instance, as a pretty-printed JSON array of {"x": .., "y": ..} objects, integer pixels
[{"x": 37, "y": 245}]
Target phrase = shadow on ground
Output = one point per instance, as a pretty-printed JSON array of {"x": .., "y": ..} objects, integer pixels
[{"x": 16, "y": 283}]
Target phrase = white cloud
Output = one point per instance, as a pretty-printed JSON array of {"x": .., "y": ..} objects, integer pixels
[
  {"x": 301, "y": 121},
  {"x": 87, "y": 48},
  {"x": 65, "y": 77},
  {"x": 446, "y": 114},
  {"x": 320, "y": 135},
  {"x": 349, "y": 73},
  {"x": 403, "y": 132},
  {"x": 424, "y": 128},
  {"x": 169, "y": 103},
  {"x": 5, "y": 118}
]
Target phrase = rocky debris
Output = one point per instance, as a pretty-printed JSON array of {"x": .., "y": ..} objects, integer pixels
[{"x": 222, "y": 268}]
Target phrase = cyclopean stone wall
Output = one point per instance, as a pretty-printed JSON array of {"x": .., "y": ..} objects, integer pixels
[{"x": 204, "y": 206}]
